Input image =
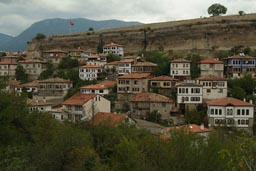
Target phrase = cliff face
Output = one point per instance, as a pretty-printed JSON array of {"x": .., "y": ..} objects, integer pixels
[{"x": 206, "y": 35}]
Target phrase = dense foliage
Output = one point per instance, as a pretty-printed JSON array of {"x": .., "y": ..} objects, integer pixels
[
  {"x": 217, "y": 9},
  {"x": 37, "y": 142},
  {"x": 20, "y": 74}
]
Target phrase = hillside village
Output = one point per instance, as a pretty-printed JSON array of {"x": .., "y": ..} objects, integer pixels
[{"x": 114, "y": 83}]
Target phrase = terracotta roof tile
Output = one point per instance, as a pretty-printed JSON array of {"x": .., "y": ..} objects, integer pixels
[
  {"x": 163, "y": 78},
  {"x": 211, "y": 78},
  {"x": 30, "y": 84},
  {"x": 38, "y": 103},
  {"x": 183, "y": 84},
  {"x": 211, "y": 61},
  {"x": 55, "y": 51},
  {"x": 129, "y": 60},
  {"x": 8, "y": 63},
  {"x": 78, "y": 99},
  {"x": 32, "y": 61},
  {"x": 228, "y": 101},
  {"x": 150, "y": 97},
  {"x": 135, "y": 76},
  {"x": 55, "y": 80},
  {"x": 112, "y": 63},
  {"x": 113, "y": 44},
  {"x": 103, "y": 85},
  {"x": 193, "y": 128},
  {"x": 90, "y": 66},
  {"x": 110, "y": 119},
  {"x": 180, "y": 61},
  {"x": 240, "y": 57},
  {"x": 145, "y": 64}
]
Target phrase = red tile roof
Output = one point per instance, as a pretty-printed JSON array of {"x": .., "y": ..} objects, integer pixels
[
  {"x": 163, "y": 78},
  {"x": 228, "y": 101},
  {"x": 180, "y": 61},
  {"x": 103, "y": 85},
  {"x": 128, "y": 60},
  {"x": 110, "y": 119},
  {"x": 211, "y": 61},
  {"x": 113, "y": 44},
  {"x": 145, "y": 64},
  {"x": 55, "y": 51},
  {"x": 112, "y": 63},
  {"x": 79, "y": 99},
  {"x": 90, "y": 66},
  {"x": 211, "y": 78},
  {"x": 135, "y": 76},
  {"x": 150, "y": 97},
  {"x": 30, "y": 84},
  {"x": 193, "y": 128},
  {"x": 8, "y": 63},
  {"x": 55, "y": 80},
  {"x": 240, "y": 57}
]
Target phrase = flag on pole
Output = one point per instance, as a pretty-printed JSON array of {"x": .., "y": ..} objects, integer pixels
[{"x": 71, "y": 23}]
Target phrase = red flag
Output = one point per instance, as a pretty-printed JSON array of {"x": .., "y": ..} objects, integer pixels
[{"x": 71, "y": 23}]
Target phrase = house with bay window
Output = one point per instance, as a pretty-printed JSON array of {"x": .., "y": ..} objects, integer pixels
[{"x": 230, "y": 112}]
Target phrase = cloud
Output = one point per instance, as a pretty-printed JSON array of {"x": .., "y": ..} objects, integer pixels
[{"x": 17, "y": 15}]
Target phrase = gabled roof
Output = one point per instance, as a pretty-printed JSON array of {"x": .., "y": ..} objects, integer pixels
[
  {"x": 180, "y": 61},
  {"x": 8, "y": 63},
  {"x": 103, "y": 85},
  {"x": 135, "y": 76},
  {"x": 55, "y": 80},
  {"x": 90, "y": 66},
  {"x": 145, "y": 64},
  {"x": 38, "y": 103},
  {"x": 240, "y": 57},
  {"x": 55, "y": 51},
  {"x": 184, "y": 84},
  {"x": 211, "y": 61},
  {"x": 33, "y": 61},
  {"x": 128, "y": 60},
  {"x": 193, "y": 128},
  {"x": 150, "y": 97},
  {"x": 30, "y": 84},
  {"x": 211, "y": 78},
  {"x": 110, "y": 119},
  {"x": 112, "y": 44},
  {"x": 79, "y": 99},
  {"x": 112, "y": 63},
  {"x": 228, "y": 101},
  {"x": 163, "y": 78}
]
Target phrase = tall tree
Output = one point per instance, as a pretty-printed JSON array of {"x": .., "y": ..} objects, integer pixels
[
  {"x": 217, "y": 9},
  {"x": 20, "y": 74}
]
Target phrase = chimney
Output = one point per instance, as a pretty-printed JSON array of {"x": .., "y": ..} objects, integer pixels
[
  {"x": 244, "y": 100},
  {"x": 241, "y": 54},
  {"x": 202, "y": 126},
  {"x": 250, "y": 101}
]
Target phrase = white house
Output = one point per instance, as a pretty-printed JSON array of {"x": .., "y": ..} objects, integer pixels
[
  {"x": 211, "y": 66},
  {"x": 85, "y": 106},
  {"x": 125, "y": 65},
  {"x": 89, "y": 72},
  {"x": 230, "y": 112},
  {"x": 189, "y": 95},
  {"x": 98, "y": 60},
  {"x": 213, "y": 87},
  {"x": 180, "y": 69},
  {"x": 113, "y": 48},
  {"x": 8, "y": 69},
  {"x": 102, "y": 88},
  {"x": 39, "y": 105},
  {"x": 31, "y": 87}
]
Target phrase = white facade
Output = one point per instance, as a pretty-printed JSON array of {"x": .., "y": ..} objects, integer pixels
[
  {"x": 94, "y": 91},
  {"x": 180, "y": 68},
  {"x": 89, "y": 72},
  {"x": 238, "y": 116},
  {"x": 89, "y": 108},
  {"x": 97, "y": 60},
  {"x": 189, "y": 94},
  {"x": 124, "y": 68},
  {"x": 114, "y": 49},
  {"x": 214, "y": 89},
  {"x": 8, "y": 69},
  {"x": 33, "y": 68}
]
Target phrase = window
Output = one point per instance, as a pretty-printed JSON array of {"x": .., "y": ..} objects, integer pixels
[
  {"x": 101, "y": 91},
  {"x": 135, "y": 82},
  {"x": 216, "y": 111},
  {"x": 212, "y": 111},
  {"x": 220, "y": 112},
  {"x": 208, "y": 90},
  {"x": 243, "y": 111},
  {"x": 238, "y": 112},
  {"x": 247, "y": 111},
  {"x": 229, "y": 111}
]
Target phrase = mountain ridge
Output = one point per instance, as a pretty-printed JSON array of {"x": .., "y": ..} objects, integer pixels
[{"x": 58, "y": 26}]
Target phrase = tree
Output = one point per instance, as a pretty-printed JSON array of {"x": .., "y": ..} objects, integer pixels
[
  {"x": 113, "y": 57},
  {"x": 48, "y": 72},
  {"x": 40, "y": 36},
  {"x": 241, "y": 13},
  {"x": 91, "y": 29},
  {"x": 154, "y": 116},
  {"x": 20, "y": 74},
  {"x": 217, "y": 9}
]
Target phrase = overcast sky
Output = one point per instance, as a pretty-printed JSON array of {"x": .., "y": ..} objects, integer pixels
[{"x": 17, "y": 15}]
